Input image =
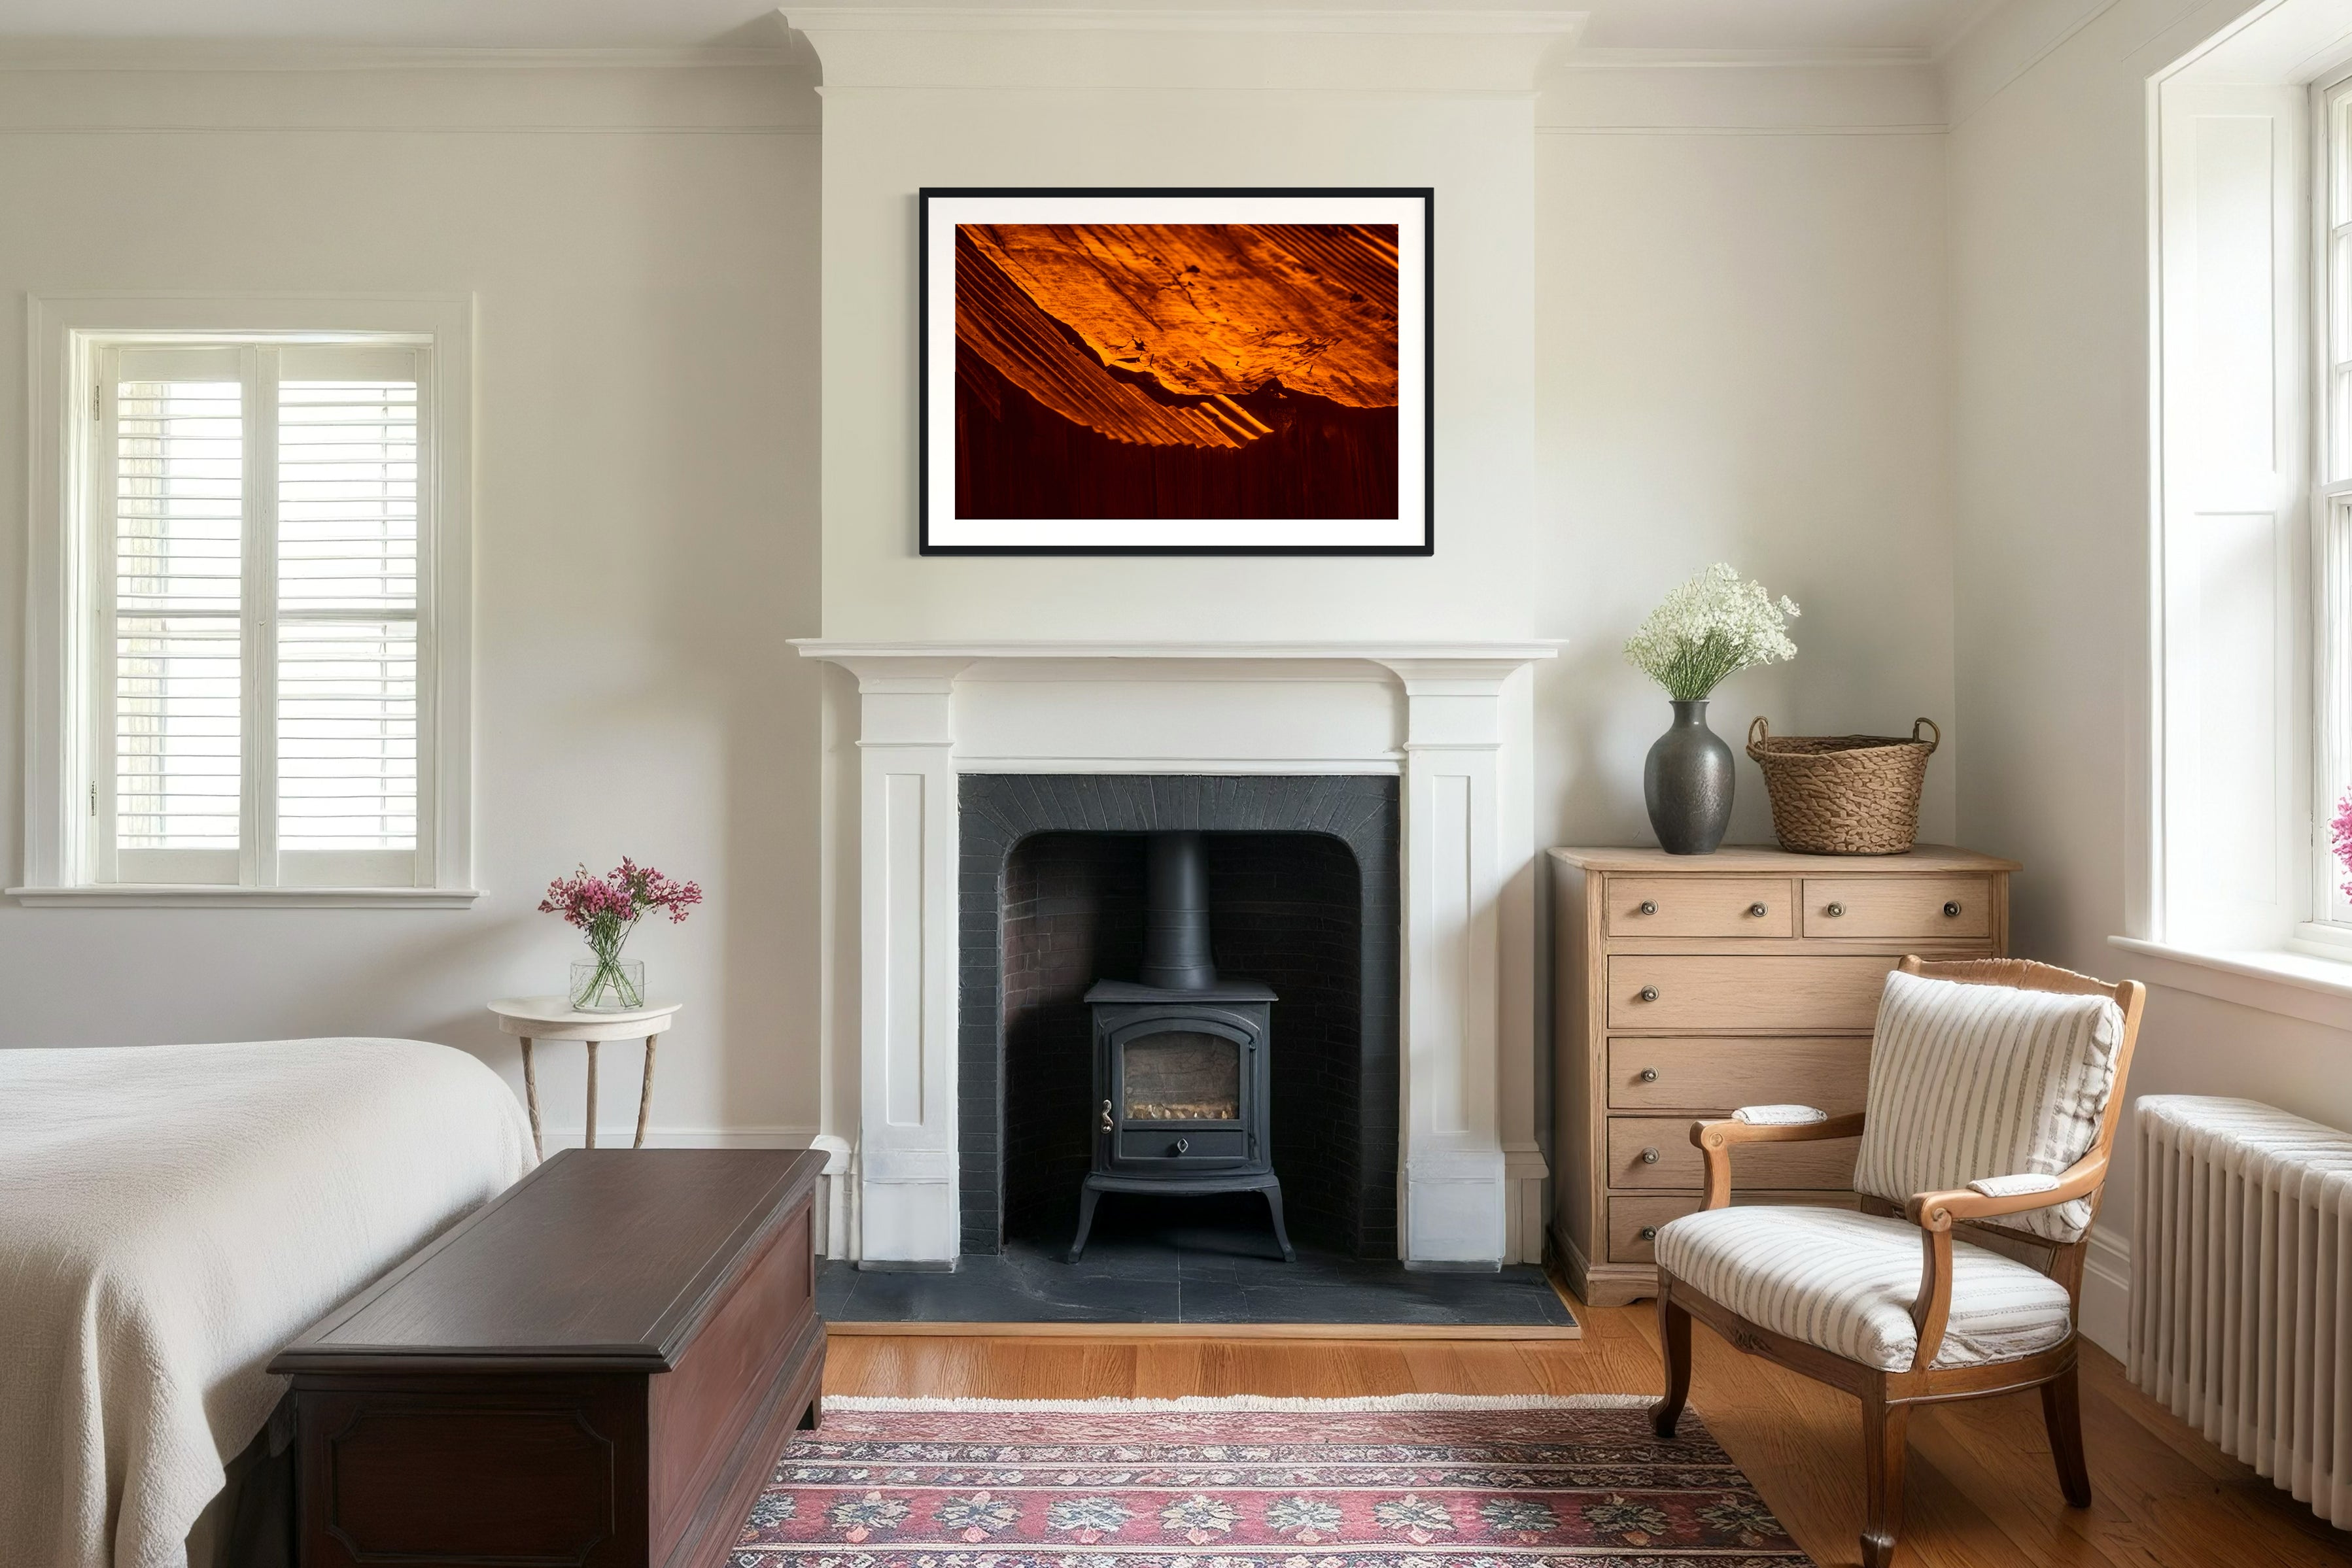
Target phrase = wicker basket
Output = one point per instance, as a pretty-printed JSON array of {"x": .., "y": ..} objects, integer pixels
[{"x": 1844, "y": 794}]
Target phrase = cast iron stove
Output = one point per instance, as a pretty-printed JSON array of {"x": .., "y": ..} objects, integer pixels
[{"x": 1181, "y": 1062}]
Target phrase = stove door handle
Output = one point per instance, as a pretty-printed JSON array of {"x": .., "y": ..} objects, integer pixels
[{"x": 1107, "y": 1124}]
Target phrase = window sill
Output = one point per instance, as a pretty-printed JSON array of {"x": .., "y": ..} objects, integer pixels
[
  {"x": 140, "y": 895},
  {"x": 2295, "y": 985}
]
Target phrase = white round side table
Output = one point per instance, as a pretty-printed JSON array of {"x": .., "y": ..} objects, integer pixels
[{"x": 554, "y": 1018}]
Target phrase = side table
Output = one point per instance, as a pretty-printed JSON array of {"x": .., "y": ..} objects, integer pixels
[{"x": 554, "y": 1018}]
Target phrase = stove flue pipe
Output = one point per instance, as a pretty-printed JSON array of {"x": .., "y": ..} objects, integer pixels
[{"x": 1176, "y": 953}]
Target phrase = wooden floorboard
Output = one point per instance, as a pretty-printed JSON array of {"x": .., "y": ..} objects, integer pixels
[{"x": 1981, "y": 1491}]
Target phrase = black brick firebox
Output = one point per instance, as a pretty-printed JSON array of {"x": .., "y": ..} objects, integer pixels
[{"x": 1303, "y": 881}]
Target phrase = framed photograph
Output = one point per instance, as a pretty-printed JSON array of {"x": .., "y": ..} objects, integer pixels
[{"x": 1176, "y": 373}]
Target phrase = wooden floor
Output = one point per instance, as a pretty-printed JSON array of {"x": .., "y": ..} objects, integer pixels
[{"x": 1981, "y": 1491}]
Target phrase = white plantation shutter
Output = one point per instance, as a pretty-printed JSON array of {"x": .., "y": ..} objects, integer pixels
[
  {"x": 262, "y": 642},
  {"x": 175, "y": 474},
  {"x": 347, "y": 727}
]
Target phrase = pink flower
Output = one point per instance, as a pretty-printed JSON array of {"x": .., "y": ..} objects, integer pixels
[
  {"x": 2341, "y": 836},
  {"x": 607, "y": 907}
]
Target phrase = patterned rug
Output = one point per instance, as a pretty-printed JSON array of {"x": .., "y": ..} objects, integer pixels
[{"x": 1417, "y": 1481}]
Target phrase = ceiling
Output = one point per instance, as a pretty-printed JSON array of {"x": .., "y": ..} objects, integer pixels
[{"x": 1687, "y": 24}]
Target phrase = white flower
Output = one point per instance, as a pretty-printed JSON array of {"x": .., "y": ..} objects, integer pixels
[{"x": 1709, "y": 629}]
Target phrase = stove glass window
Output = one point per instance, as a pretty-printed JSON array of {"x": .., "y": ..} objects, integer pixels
[{"x": 1182, "y": 1075}]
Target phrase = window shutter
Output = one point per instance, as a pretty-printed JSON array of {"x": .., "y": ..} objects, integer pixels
[
  {"x": 176, "y": 489},
  {"x": 347, "y": 634}
]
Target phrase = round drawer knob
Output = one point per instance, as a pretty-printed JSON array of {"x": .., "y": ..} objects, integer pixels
[
  {"x": 1648, "y": 1157},
  {"x": 1952, "y": 909},
  {"x": 1649, "y": 993},
  {"x": 1835, "y": 910},
  {"x": 1648, "y": 1233},
  {"x": 1183, "y": 1144},
  {"x": 1649, "y": 1075},
  {"x": 1649, "y": 906},
  {"x": 1756, "y": 909}
]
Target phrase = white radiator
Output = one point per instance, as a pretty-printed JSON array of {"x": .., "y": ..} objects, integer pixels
[{"x": 2242, "y": 1286}]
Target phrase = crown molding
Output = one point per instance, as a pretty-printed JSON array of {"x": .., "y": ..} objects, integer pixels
[
  {"x": 1606, "y": 58},
  {"x": 1060, "y": 19},
  {"x": 205, "y": 55}
]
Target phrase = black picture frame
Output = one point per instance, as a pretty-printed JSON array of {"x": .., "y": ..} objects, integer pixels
[{"x": 1425, "y": 483}]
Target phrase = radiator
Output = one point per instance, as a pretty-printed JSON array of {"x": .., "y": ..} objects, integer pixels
[{"x": 2242, "y": 1286}]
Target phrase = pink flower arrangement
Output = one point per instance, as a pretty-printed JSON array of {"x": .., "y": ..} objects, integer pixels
[
  {"x": 605, "y": 909},
  {"x": 2340, "y": 836}
]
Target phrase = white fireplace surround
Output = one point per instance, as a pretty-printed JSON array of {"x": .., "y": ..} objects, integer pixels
[{"x": 1453, "y": 720}]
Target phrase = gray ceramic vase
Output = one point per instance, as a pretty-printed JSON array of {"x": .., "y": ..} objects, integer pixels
[{"x": 1687, "y": 783}]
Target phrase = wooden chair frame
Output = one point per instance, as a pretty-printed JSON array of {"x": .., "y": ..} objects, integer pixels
[{"x": 1888, "y": 1397}]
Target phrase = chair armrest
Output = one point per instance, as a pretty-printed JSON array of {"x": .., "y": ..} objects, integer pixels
[
  {"x": 1940, "y": 1211},
  {"x": 1935, "y": 1213},
  {"x": 1714, "y": 1140}
]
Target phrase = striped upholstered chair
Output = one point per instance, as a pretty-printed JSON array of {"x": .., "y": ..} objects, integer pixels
[{"x": 1994, "y": 1090}]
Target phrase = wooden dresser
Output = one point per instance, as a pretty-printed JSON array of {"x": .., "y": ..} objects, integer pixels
[
  {"x": 597, "y": 1369},
  {"x": 1690, "y": 985}
]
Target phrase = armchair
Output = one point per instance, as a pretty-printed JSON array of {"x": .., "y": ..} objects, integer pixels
[{"x": 1995, "y": 1088}]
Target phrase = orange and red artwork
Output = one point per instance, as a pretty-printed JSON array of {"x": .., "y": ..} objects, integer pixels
[{"x": 1110, "y": 373}]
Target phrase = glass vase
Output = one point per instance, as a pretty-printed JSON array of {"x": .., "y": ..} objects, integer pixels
[{"x": 607, "y": 984}]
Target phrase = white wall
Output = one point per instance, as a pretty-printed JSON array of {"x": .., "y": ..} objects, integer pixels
[
  {"x": 641, "y": 246},
  {"x": 2050, "y": 239},
  {"x": 1736, "y": 284},
  {"x": 1021, "y": 107},
  {"x": 1741, "y": 341}
]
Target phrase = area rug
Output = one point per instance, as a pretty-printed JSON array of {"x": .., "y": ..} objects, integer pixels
[{"x": 1414, "y": 1482}]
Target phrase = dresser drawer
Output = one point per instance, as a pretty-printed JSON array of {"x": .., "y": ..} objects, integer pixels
[
  {"x": 1701, "y": 906},
  {"x": 1720, "y": 1074},
  {"x": 1830, "y": 992},
  {"x": 1635, "y": 1222},
  {"x": 1909, "y": 908},
  {"x": 1827, "y": 1163}
]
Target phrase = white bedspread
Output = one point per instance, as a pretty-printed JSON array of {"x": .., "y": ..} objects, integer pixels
[{"x": 171, "y": 1216}]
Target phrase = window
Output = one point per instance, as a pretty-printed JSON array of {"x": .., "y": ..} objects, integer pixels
[
  {"x": 2234, "y": 777},
  {"x": 260, "y": 651},
  {"x": 2331, "y": 498}
]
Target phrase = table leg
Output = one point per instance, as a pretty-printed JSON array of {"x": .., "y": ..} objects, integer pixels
[
  {"x": 591, "y": 1094},
  {"x": 530, "y": 1096},
  {"x": 646, "y": 1093}
]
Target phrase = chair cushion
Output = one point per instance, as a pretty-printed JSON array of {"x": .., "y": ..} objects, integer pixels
[
  {"x": 1985, "y": 1081},
  {"x": 1845, "y": 1281}
]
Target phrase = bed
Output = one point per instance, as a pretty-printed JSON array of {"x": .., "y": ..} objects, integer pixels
[{"x": 170, "y": 1216}]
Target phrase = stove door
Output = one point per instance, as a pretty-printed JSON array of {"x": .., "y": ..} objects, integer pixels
[{"x": 1180, "y": 1091}]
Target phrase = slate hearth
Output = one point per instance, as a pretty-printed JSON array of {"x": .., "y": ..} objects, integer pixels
[{"x": 1199, "y": 1260}]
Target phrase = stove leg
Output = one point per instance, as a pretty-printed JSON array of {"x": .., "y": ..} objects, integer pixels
[
  {"x": 1086, "y": 1196},
  {"x": 1273, "y": 1206}
]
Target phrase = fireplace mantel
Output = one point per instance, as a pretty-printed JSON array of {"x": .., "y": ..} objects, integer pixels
[
  {"x": 849, "y": 651},
  {"x": 1451, "y": 719}
]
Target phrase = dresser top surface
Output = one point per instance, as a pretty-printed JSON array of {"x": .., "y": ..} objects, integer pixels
[
  {"x": 610, "y": 1257},
  {"x": 1738, "y": 859}
]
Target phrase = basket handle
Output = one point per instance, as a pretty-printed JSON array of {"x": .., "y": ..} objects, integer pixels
[
  {"x": 1758, "y": 729},
  {"x": 1933, "y": 729}
]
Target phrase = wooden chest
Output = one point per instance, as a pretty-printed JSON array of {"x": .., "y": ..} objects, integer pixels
[
  {"x": 598, "y": 1369},
  {"x": 1689, "y": 984}
]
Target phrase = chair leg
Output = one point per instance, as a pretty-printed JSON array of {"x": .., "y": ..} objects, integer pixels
[
  {"x": 1884, "y": 1431},
  {"x": 1674, "y": 1340},
  {"x": 2061, "y": 1412}
]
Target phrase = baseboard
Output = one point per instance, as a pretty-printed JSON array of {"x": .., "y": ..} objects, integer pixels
[
  {"x": 555, "y": 1138},
  {"x": 1215, "y": 1330},
  {"x": 2107, "y": 1295}
]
